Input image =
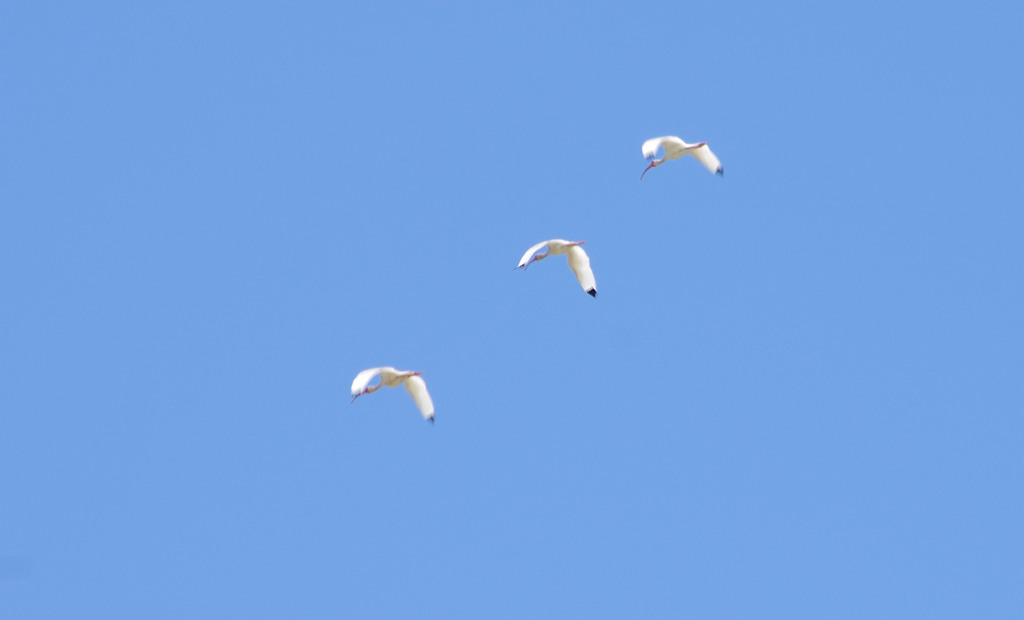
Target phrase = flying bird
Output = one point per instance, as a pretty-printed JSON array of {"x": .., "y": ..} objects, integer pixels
[
  {"x": 676, "y": 148},
  {"x": 579, "y": 262},
  {"x": 389, "y": 377}
]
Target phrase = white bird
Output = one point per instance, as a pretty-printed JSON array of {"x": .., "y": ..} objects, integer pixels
[
  {"x": 579, "y": 262},
  {"x": 389, "y": 377},
  {"x": 676, "y": 148}
]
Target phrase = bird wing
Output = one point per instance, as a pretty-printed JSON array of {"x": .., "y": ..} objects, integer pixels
[
  {"x": 529, "y": 253},
  {"x": 417, "y": 388},
  {"x": 706, "y": 157},
  {"x": 363, "y": 379},
  {"x": 391, "y": 377},
  {"x": 579, "y": 262},
  {"x": 650, "y": 148}
]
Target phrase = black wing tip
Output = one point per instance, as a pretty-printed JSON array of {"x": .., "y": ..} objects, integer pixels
[
  {"x": 720, "y": 172},
  {"x": 592, "y": 292},
  {"x": 431, "y": 420}
]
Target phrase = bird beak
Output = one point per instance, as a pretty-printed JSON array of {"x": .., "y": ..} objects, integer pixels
[
  {"x": 355, "y": 397},
  {"x": 645, "y": 171}
]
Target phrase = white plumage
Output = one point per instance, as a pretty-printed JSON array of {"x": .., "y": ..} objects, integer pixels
[
  {"x": 390, "y": 377},
  {"x": 579, "y": 262},
  {"x": 676, "y": 148}
]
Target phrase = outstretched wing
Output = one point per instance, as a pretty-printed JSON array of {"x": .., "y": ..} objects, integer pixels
[
  {"x": 579, "y": 262},
  {"x": 650, "y": 148},
  {"x": 529, "y": 254},
  {"x": 417, "y": 388},
  {"x": 706, "y": 157},
  {"x": 363, "y": 379}
]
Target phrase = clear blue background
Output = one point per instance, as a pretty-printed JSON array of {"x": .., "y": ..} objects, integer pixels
[{"x": 798, "y": 393}]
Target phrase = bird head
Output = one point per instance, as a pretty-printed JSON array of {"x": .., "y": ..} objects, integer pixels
[{"x": 653, "y": 165}]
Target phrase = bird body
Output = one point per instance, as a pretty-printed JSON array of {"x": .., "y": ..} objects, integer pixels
[
  {"x": 390, "y": 377},
  {"x": 578, "y": 260},
  {"x": 675, "y": 148}
]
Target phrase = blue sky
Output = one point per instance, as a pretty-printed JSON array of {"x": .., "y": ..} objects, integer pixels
[{"x": 797, "y": 394}]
